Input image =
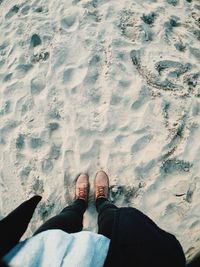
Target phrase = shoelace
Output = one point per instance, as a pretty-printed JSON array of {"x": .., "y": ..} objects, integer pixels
[
  {"x": 101, "y": 191},
  {"x": 82, "y": 192}
]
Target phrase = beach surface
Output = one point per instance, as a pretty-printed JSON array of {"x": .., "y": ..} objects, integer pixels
[{"x": 102, "y": 84}]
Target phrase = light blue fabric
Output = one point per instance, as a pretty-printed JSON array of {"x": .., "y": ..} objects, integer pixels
[{"x": 55, "y": 248}]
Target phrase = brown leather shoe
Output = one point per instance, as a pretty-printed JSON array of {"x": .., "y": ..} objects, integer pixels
[
  {"x": 82, "y": 187},
  {"x": 101, "y": 185}
]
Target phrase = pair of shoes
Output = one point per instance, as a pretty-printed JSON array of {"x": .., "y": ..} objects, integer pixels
[{"x": 101, "y": 186}]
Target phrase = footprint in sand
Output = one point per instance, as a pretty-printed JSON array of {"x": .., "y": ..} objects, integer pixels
[
  {"x": 40, "y": 9},
  {"x": 20, "y": 142},
  {"x": 195, "y": 52},
  {"x": 53, "y": 126},
  {"x": 24, "y": 105},
  {"x": 47, "y": 166},
  {"x": 7, "y": 129},
  {"x": 144, "y": 168},
  {"x": 172, "y": 2},
  {"x": 60, "y": 56},
  {"x": 3, "y": 55},
  {"x": 37, "y": 85},
  {"x": 7, "y": 77},
  {"x": 91, "y": 157},
  {"x": 24, "y": 174},
  {"x": 6, "y": 108},
  {"x": 68, "y": 165},
  {"x": 50, "y": 158},
  {"x": 54, "y": 152},
  {"x": 141, "y": 143},
  {"x": 93, "y": 70},
  {"x": 23, "y": 69},
  {"x": 74, "y": 76},
  {"x": 25, "y": 10},
  {"x": 91, "y": 78},
  {"x": 70, "y": 22},
  {"x": 13, "y": 11},
  {"x": 37, "y": 187},
  {"x": 115, "y": 100},
  {"x": 25, "y": 171},
  {"x": 144, "y": 96},
  {"x": 35, "y": 40},
  {"x": 35, "y": 143}
]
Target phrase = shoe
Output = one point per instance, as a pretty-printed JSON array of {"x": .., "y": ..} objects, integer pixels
[
  {"x": 101, "y": 185},
  {"x": 82, "y": 187}
]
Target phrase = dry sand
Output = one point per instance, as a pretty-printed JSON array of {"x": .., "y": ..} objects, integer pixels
[{"x": 102, "y": 84}]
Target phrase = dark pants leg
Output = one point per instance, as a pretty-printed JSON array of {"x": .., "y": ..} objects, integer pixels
[
  {"x": 69, "y": 220},
  {"x": 106, "y": 216},
  {"x": 13, "y": 226}
]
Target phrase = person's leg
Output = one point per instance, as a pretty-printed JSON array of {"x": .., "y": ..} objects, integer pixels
[
  {"x": 104, "y": 207},
  {"x": 14, "y": 225},
  {"x": 69, "y": 220},
  {"x": 106, "y": 215}
]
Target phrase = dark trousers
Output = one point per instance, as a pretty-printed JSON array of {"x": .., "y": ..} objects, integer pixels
[{"x": 70, "y": 219}]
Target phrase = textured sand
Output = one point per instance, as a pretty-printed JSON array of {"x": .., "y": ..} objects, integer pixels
[{"x": 102, "y": 84}]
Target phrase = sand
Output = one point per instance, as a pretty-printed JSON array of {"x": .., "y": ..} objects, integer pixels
[{"x": 113, "y": 85}]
